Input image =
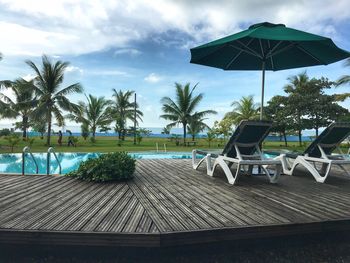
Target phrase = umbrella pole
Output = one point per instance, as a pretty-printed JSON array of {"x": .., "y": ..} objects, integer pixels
[{"x": 262, "y": 90}]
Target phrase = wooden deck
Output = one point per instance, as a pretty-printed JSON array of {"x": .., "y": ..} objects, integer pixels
[{"x": 167, "y": 203}]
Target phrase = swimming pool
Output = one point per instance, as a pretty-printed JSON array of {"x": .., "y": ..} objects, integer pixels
[{"x": 12, "y": 163}]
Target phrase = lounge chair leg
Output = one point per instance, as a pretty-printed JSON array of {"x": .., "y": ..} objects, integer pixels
[
  {"x": 311, "y": 169},
  {"x": 208, "y": 161},
  {"x": 225, "y": 167},
  {"x": 284, "y": 162},
  {"x": 250, "y": 170},
  {"x": 194, "y": 164},
  {"x": 323, "y": 168},
  {"x": 275, "y": 176}
]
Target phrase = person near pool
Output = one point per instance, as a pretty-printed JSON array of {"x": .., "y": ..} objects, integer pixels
[
  {"x": 70, "y": 139},
  {"x": 59, "y": 138}
]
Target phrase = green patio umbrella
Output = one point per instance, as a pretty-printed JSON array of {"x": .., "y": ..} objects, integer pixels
[{"x": 267, "y": 46}]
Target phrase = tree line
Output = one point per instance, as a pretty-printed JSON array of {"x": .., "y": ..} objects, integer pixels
[
  {"x": 304, "y": 105},
  {"x": 40, "y": 101}
]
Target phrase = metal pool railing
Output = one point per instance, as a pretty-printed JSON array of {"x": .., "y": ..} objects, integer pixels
[
  {"x": 24, "y": 153},
  {"x": 26, "y": 150},
  {"x": 49, "y": 151}
]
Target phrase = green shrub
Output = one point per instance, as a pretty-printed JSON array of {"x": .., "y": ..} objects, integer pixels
[
  {"x": 107, "y": 167},
  {"x": 13, "y": 140},
  {"x": 5, "y": 132},
  {"x": 92, "y": 140}
]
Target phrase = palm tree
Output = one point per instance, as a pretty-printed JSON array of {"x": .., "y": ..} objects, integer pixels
[
  {"x": 52, "y": 98},
  {"x": 244, "y": 109},
  {"x": 298, "y": 102},
  {"x": 123, "y": 110},
  {"x": 23, "y": 103},
  {"x": 94, "y": 114},
  {"x": 196, "y": 125},
  {"x": 181, "y": 110},
  {"x": 344, "y": 80}
]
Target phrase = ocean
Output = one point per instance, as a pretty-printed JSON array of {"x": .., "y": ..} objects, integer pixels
[{"x": 156, "y": 132}]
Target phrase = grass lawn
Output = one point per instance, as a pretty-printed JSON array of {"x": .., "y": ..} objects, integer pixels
[{"x": 110, "y": 144}]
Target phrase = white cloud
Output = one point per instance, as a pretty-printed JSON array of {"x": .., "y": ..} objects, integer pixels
[
  {"x": 128, "y": 51},
  {"x": 152, "y": 78},
  {"x": 74, "y": 69},
  {"x": 28, "y": 77},
  {"x": 47, "y": 26}
]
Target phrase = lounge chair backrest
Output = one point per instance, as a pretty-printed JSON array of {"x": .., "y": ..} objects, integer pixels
[
  {"x": 247, "y": 135},
  {"x": 329, "y": 139}
]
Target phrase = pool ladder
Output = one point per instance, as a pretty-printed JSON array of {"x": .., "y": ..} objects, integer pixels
[
  {"x": 51, "y": 150},
  {"x": 24, "y": 153},
  {"x": 157, "y": 147}
]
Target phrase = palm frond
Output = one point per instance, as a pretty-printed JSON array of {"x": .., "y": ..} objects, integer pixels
[{"x": 74, "y": 88}]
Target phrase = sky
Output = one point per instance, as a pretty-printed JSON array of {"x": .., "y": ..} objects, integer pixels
[{"x": 145, "y": 45}]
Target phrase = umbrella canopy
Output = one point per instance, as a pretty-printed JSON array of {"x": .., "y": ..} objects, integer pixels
[{"x": 267, "y": 46}]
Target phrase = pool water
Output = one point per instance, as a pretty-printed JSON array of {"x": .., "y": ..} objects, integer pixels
[{"x": 12, "y": 163}]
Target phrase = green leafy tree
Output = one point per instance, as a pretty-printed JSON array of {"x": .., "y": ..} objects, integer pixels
[
  {"x": 140, "y": 133},
  {"x": 196, "y": 125},
  {"x": 344, "y": 80},
  {"x": 180, "y": 110},
  {"x": 5, "y": 132},
  {"x": 244, "y": 109},
  {"x": 223, "y": 127},
  {"x": 278, "y": 111},
  {"x": 13, "y": 140},
  {"x": 95, "y": 113},
  {"x": 105, "y": 129},
  {"x": 123, "y": 110},
  {"x": 298, "y": 102},
  {"x": 52, "y": 98},
  {"x": 22, "y": 105},
  {"x": 210, "y": 137},
  {"x": 309, "y": 105},
  {"x": 40, "y": 127},
  {"x": 166, "y": 130},
  {"x": 84, "y": 128}
]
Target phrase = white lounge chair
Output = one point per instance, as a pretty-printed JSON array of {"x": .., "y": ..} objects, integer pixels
[
  {"x": 243, "y": 150},
  {"x": 320, "y": 151}
]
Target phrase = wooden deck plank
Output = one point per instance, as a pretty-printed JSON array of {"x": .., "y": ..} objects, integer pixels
[
  {"x": 123, "y": 218},
  {"x": 171, "y": 202},
  {"x": 103, "y": 211},
  {"x": 113, "y": 214},
  {"x": 247, "y": 213},
  {"x": 81, "y": 206},
  {"x": 22, "y": 205},
  {"x": 59, "y": 205},
  {"x": 135, "y": 219},
  {"x": 168, "y": 203},
  {"x": 24, "y": 189},
  {"x": 144, "y": 223},
  {"x": 92, "y": 209},
  {"x": 153, "y": 212},
  {"x": 33, "y": 214}
]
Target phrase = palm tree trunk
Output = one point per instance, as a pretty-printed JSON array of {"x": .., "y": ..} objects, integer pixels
[
  {"x": 184, "y": 127},
  {"x": 299, "y": 134},
  {"x": 93, "y": 132},
  {"x": 285, "y": 139},
  {"x": 24, "y": 127},
  {"x": 49, "y": 128}
]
